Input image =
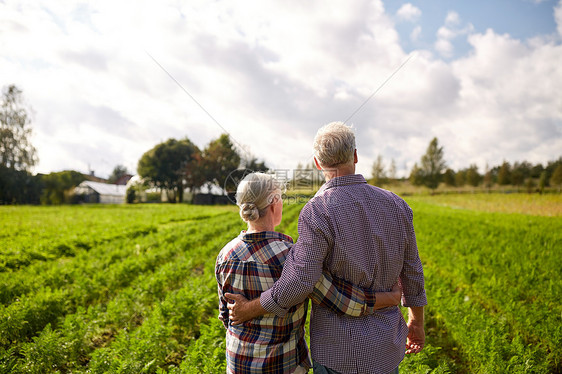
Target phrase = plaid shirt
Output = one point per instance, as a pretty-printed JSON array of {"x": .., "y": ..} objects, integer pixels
[
  {"x": 249, "y": 265},
  {"x": 365, "y": 235}
]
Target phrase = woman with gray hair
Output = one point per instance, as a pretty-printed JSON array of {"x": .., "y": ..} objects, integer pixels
[{"x": 250, "y": 264}]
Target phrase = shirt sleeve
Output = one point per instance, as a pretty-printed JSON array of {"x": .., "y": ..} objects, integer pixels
[
  {"x": 343, "y": 297},
  {"x": 223, "y": 310},
  {"x": 303, "y": 266},
  {"x": 411, "y": 276}
]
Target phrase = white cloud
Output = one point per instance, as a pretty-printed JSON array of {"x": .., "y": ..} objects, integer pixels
[
  {"x": 452, "y": 19},
  {"x": 444, "y": 47},
  {"x": 511, "y": 111},
  {"x": 408, "y": 12},
  {"x": 270, "y": 73},
  {"x": 415, "y": 34},
  {"x": 447, "y": 33},
  {"x": 558, "y": 17}
]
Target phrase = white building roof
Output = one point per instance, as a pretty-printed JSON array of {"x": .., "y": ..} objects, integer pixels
[{"x": 105, "y": 188}]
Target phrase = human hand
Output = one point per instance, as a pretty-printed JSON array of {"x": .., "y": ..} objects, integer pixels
[
  {"x": 242, "y": 310},
  {"x": 416, "y": 338}
]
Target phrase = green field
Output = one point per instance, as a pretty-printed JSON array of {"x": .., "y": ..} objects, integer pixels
[{"x": 131, "y": 289}]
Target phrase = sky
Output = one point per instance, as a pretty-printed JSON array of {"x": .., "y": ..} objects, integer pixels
[{"x": 109, "y": 80}]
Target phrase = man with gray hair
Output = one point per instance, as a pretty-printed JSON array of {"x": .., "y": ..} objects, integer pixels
[{"x": 360, "y": 233}]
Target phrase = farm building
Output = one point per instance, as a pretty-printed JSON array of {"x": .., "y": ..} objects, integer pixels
[
  {"x": 207, "y": 194},
  {"x": 96, "y": 192},
  {"x": 211, "y": 194}
]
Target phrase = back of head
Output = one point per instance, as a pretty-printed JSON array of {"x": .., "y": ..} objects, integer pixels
[
  {"x": 334, "y": 145},
  {"x": 255, "y": 193}
]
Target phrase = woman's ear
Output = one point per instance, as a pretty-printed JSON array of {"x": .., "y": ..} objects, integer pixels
[{"x": 274, "y": 206}]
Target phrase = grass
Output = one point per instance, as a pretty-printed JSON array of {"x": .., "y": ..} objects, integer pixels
[
  {"x": 549, "y": 205},
  {"x": 131, "y": 288}
]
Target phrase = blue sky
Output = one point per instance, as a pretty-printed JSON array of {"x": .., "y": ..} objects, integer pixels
[
  {"x": 483, "y": 77},
  {"x": 521, "y": 19}
]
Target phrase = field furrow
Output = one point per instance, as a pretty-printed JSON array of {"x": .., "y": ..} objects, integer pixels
[
  {"x": 64, "y": 272},
  {"x": 131, "y": 289},
  {"x": 490, "y": 265},
  {"x": 72, "y": 230},
  {"x": 24, "y": 318}
]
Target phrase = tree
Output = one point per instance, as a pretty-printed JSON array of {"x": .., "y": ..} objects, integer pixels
[
  {"x": 504, "y": 174},
  {"x": 472, "y": 176},
  {"x": 550, "y": 168},
  {"x": 118, "y": 172},
  {"x": 57, "y": 186},
  {"x": 542, "y": 181},
  {"x": 460, "y": 178},
  {"x": 537, "y": 170},
  {"x": 416, "y": 176},
  {"x": 524, "y": 169},
  {"x": 530, "y": 185},
  {"x": 378, "y": 172},
  {"x": 494, "y": 172},
  {"x": 248, "y": 165},
  {"x": 488, "y": 178},
  {"x": 19, "y": 187},
  {"x": 432, "y": 165},
  {"x": 16, "y": 151},
  {"x": 171, "y": 165},
  {"x": 449, "y": 177},
  {"x": 220, "y": 159},
  {"x": 517, "y": 177},
  {"x": 256, "y": 166},
  {"x": 392, "y": 172},
  {"x": 17, "y": 155},
  {"x": 556, "y": 179}
]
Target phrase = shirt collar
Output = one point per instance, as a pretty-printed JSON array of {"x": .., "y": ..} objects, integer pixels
[
  {"x": 344, "y": 180},
  {"x": 263, "y": 235}
]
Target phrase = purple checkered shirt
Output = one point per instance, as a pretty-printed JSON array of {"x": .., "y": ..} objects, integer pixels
[
  {"x": 249, "y": 265},
  {"x": 365, "y": 235}
]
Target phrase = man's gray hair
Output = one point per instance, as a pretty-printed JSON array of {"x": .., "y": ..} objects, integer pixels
[{"x": 334, "y": 144}]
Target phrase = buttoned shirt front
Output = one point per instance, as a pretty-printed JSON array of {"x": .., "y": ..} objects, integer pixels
[{"x": 364, "y": 235}]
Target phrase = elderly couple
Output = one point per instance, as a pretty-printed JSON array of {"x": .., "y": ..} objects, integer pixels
[{"x": 356, "y": 257}]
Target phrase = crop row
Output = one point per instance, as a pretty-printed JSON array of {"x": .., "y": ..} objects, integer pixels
[
  {"x": 25, "y": 237},
  {"x": 493, "y": 281},
  {"x": 33, "y": 311},
  {"x": 97, "y": 264},
  {"x": 160, "y": 342},
  {"x": 151, "y": 308},
  {"x": 148, "y": 303}
]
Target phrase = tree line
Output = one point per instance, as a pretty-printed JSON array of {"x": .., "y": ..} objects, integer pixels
[
  {"x": 176, "y": 165},
  {"x": 171, "y": 166},
  {"x": 432, "y": 171}
]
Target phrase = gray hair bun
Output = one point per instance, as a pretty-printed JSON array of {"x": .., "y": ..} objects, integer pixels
[
  {"x": 249, "y": 212},
  {"x": 255, "y": 193}
]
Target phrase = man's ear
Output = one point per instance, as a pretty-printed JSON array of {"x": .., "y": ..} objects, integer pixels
[
  {"x": 317, "y": 164},
  {"x": 355, "y": 156}
]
